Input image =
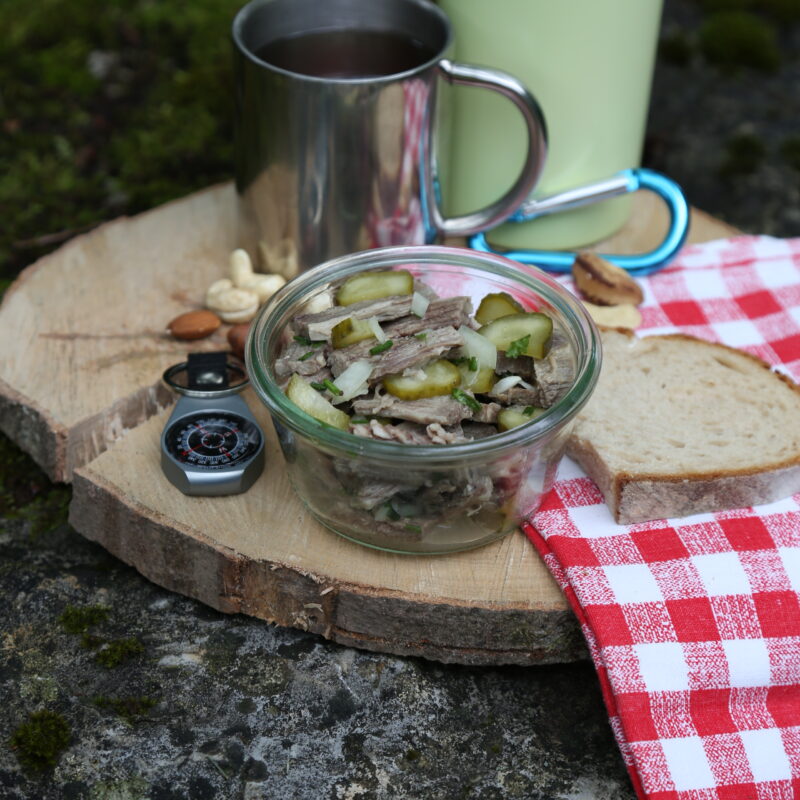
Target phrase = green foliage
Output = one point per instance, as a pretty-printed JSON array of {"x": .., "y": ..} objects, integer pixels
[
  {"x": 131, "y": 709},
  {"x": 39, "y": 741},
  {"x": 108, "y": 107},
  {"x": 735, "y": 39},
  {"x": 75, "y": 619},
  {"x": 114, "y": 652},
  {"x": 20, "y": 479}
]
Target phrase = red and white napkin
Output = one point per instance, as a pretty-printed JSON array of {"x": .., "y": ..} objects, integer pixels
[{"x": 694, "y": 623}]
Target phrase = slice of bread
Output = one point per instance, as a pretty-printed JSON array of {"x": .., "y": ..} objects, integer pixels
[{"x": 680, "y": 426}]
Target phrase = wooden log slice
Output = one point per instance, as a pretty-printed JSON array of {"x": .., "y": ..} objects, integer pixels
[
  {"x": 262, "y": 554},
  {"x": 81, "y": 357},
  {"x": 84, "y": 340},
  {"x": 84, "y": 329}
]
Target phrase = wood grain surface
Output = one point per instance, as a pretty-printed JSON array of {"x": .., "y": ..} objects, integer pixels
[{"x": 81, "y": 372}]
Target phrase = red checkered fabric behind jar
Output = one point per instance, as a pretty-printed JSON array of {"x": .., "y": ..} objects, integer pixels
[{"x": 694, "y": 623}]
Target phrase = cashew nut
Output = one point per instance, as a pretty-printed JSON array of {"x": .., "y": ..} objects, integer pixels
[
  {"x": 244, "y": 278},
  {"x": 231, "y": 303},
  {"x": 241, "y": 267}
]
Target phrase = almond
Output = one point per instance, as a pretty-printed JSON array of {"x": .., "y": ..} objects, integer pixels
[
  {"x": 194, "y": 325},
  {"x": 604, "y": 283},
  {"x": 237, "y": 336}
]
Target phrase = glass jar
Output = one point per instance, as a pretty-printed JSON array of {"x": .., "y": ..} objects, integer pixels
[{"x": 444, "y": 498}]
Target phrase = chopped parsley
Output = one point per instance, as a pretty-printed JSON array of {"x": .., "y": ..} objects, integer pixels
[
  {"x": 306, "y": 355},
  {"x": 458, "y": 360},
  {"x": 381, "y": 348},
  {"x": 473, "y": 364},
  {"x": 413, "y": 528},
  {"x": 528, "y": 410},
  {"x": 465, "y": 399},
  {"x": 358, "y": 420},
  {"x": 421, "y": 336},
  {"x": 518, "y": 347},
  {"x": 332, "y": 387},
  {"x": 320, "y": 387},
  {"x": 391, "y": 513},
  {"x": 308, "y": 342}
]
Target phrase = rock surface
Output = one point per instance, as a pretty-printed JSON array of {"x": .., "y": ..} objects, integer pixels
[{"x": 230, "y": 707}]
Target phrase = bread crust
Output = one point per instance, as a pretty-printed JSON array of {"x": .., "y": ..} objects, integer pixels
[{"x": 642, "y": 496}]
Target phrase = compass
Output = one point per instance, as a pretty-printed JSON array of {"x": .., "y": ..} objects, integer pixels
[{"x": 211, "y": 444}]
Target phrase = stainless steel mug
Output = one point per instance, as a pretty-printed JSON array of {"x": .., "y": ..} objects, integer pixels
[{"x": 342, "y": 129}]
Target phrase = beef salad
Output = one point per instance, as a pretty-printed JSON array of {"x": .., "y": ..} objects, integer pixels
[{"x": 390, "y": 360}]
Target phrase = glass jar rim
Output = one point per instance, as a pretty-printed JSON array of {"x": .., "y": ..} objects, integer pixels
[{"x": 573, "y": 313}]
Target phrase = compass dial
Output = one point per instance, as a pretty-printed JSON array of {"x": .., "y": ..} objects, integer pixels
[{"x": 216, "y": 440}]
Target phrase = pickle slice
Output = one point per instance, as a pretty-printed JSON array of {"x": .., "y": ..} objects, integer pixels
[
  {"x": 508, "y": 334},
  {"x": 374, "y": 285},
  {"x": 312, "y": 402},
  {"x": 349, "y": 331},
  {"x": 514, "y": 416},
  {"x": 477, "y": 381},
  {"x": 497, "y": 305},
  {"x": 441, "y": 377}
]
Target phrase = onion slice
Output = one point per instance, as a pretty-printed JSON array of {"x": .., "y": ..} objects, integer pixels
[
  {"x": 478, "y": 347},
  {"x": 375, "y": 327},
  {"x": 353, "y": 381},
  {"x": 504, "y": 384},
  {"x": 419, "y": 304}
]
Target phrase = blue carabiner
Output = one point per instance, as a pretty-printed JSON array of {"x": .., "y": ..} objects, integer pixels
[{"x": 629, "y": 180}]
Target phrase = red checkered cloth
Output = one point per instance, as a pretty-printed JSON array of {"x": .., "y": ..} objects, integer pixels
[{"x": 694, "y": 623}]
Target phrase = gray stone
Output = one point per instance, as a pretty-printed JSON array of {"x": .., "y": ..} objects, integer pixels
[{"x": 247, "y": 710}]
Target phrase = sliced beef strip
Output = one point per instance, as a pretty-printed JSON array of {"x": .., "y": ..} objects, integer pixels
[
  {"x": 405, "y": 432},
  {"x": 373, "y": 493},
  {"x": 488, "y": 413},
  {"x": 420, "y": 287},
  {"x": 439, "y": 434},
  {"x": 453, "y": 497},
  {"x": 478, "y": 430},
  {"x": 294, "y": 360},
  {"x": 521, "y": 365},
  {"x": 519, "y": 396},
  {"x": 445, "y": 410},
  {"x": 319, "y": 325},
  {"x": 410, "y": 432},
  {"x": 406, "y": 351},
  {"x": 451, "y": 313},
  {"x": 555, "y": 373}
]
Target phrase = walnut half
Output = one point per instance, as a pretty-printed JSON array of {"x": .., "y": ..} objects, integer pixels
[{"x": 604, "y": 283}]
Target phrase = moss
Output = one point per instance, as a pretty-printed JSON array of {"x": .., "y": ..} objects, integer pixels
[
  {"x": 412, "y": 755},
  {"x": 21, "y": 481},
  {"x": 116, "y": 651},
  {"x": 78, "y": 619},
  {"x": 131, "y": 709},
  {"x": 790, "y": 151},
  {"x": 39, "y": 741},
  {"x": 735, "y": 39},
  {"x": 47, "y": 511},
  {"x": 743, "y": 155},
  {"x": 109, "y": 108}
]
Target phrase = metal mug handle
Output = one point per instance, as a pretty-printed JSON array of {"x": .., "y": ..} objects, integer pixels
[
  {"x": 629, "y": 180},
  {"x": 494, "y": 214}
]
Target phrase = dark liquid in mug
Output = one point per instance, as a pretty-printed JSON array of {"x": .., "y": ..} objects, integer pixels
[{"x": 346, "y": 53}]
